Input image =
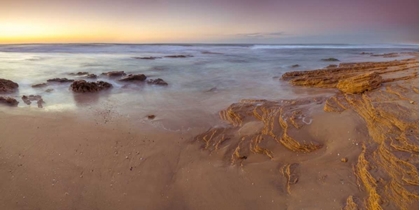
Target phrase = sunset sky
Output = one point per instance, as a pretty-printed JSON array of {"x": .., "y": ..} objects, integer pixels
[{"x": 205, "y": 21}]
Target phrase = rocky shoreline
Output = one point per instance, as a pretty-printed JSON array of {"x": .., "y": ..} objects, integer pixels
[
  {"x": 77, "y": 85},
  {"x": 383, "y": 94}
]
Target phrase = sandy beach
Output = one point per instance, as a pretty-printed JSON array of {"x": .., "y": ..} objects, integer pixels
[{"x": 348, "y": 141}]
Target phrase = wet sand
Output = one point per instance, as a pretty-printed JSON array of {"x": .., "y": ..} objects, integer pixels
[{"x": 352, "y": 151}]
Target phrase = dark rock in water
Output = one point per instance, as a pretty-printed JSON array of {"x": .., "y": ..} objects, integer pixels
[
  {"x": 211, "y": 53},
  {"x": 81, "y": 86},
  {"x": 330, "y": 59},
  {"x": 295, "y": 66},
  {"x": 147, "y": 58},
  {"x": 178, "y": 56},
  {"x": 40, "y": 85},
  {"x": 386, "y": 55},
  {"x": 49, "y": 90},
  {"x": 83, "y": 73},
  {"x": 114, "y": 73},
  {"x": 8, "y": 86},
  {"x": 366, "y": 53},
  {"x": 8, "y": 101},
  {"x": 332, "y": 66},
  {"x": 60, "y": 80},
  {"x": 157, "y": 81},
  {"x": 91, "y": 76},
  {"x": 151, "y": 117},
  {"x": 134, "y": 77},
  {"x": 80, "y": 73},
  {"x": 37, "y": 98},
  {"x": 214, "y": 89}
]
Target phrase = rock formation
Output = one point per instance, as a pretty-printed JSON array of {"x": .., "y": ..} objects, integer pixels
[
  {"x": 133, "y": 77},
  {"x": 8, "y": 86},
  {"x": 60, "y": 80},
  {"x": 30, "y": 98},
  {"x": 178, "y": 56},
  {"x": 82, "y": 86},
  {"x": 40, "y": 85},
  {"x": 114, "y": 73},
  {"x": 8, "y": 101},
  {"x": 157, "y": 81}
]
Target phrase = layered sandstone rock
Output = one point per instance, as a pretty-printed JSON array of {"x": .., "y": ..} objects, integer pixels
[{"x": 360, "y": 83}]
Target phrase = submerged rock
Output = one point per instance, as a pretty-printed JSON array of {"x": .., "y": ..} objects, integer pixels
[
  {"x": 8, "y": 101},
  {"x": 360, "y": 83},
  {"x": 147, "y": 58},
  {"x": 80, "y": 73},
  {"x": 83, "y": 73},
  {"x": 8, "y": 86},
  {"x": 386, "y": 55},
  {"x": 40, "y": 85},
  {"x": 332, "y": 66},
  {"x": 157, "y": 81},
  {"x": 211, "y": 53},
  {"x": 134, "y": 77},
  {"x": 30, "y": 98},
  {"x": 295, "y": 66},
  {"x": 82, "y": 86},
  {"x": 91, "y": 76},
  {"x": 330, "y": 59},
  {"x": 114, "y": 73},
  {"x": 178, "y": 56},
  {"x": 60, "y": 80}
]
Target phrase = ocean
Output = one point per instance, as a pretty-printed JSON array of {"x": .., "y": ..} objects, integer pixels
[{"x": 214, "y": 77}]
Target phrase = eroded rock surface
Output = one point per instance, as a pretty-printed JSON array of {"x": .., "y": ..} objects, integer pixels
[
  {"x": 329, "y": 78},
  {"x": 265, "y": 121},
  {"x": 360, "y": 83},
  {"x": 383, "y": 95}
]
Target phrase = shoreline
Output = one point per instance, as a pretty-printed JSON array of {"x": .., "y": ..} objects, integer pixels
[{"x": 266, "y": 154}]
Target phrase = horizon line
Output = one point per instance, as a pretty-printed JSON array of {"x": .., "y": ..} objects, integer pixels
[{"x": 191, "y": 43}]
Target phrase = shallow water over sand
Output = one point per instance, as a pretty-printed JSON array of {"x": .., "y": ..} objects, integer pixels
[{"x": 215, "y": 77}]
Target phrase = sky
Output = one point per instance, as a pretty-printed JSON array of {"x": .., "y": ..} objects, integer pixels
[{"x": 209, "y": 21}]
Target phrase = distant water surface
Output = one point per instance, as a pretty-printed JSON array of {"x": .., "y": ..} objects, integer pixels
[{"x": 213, "y": 78}]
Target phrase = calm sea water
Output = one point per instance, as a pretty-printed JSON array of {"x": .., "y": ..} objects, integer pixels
[{"x": 215, "y": 77}]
